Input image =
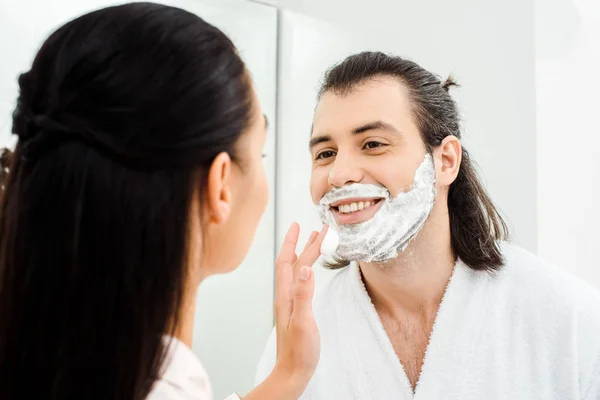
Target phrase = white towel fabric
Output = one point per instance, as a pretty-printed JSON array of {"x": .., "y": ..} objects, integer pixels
[{"x": 530, "y": 331}]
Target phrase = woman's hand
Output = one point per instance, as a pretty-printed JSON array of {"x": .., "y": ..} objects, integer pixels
[{"x": 298, "y": 344}]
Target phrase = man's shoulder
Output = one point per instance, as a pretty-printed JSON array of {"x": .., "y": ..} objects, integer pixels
[
  {"x": 531, "y": 282},
  {"x": 562, "y": 307}
]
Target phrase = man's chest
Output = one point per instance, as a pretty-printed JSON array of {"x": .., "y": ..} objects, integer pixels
[{"x": 410, "y": 339}]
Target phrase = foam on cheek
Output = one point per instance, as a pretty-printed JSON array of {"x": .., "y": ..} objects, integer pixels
[{"x": 398, "y": 220}]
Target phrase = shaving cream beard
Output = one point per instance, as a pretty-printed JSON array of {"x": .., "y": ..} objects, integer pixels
[{"x": 389, "y": 231}]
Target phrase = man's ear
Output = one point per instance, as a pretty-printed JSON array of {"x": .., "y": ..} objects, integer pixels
[
  {"x": 448, "y": 157},
  {"x": 218, "y": 190}
]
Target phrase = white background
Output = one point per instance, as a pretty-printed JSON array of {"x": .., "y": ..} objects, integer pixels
[{"x": 568, "y": 111}]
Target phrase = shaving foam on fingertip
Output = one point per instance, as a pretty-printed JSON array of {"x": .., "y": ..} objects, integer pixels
[{"x": 330, "y": 242}]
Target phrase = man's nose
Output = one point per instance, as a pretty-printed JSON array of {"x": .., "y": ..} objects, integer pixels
[{"x": 345, "y": 170}]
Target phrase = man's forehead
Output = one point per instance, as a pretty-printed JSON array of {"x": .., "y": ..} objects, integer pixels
[{"x": 349, "y": 111}]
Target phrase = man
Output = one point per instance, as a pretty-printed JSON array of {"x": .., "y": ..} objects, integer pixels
[{"x": 430, "y": 301}]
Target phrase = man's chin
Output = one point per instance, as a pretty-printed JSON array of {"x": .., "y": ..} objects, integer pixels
[{"x": 394, "y": 252}]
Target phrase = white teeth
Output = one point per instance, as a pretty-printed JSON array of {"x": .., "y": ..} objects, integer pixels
[{"x": 353, "y": 207}]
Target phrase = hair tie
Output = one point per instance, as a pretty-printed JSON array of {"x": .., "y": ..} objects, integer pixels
[{"x": 42, "y": 132}]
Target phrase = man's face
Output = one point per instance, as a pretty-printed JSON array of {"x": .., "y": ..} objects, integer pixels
[{"x": 367, "y": 136}]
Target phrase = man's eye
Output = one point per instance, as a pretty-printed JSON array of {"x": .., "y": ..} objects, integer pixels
[
  {"x": 325, "y": 154},
  {"x": 373, "y": 145}
]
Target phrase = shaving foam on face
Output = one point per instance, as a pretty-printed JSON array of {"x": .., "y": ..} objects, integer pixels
[{"x": 389, "y": 231}]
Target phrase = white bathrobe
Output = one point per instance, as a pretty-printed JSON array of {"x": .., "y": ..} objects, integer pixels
[{"x": 530, "y": 331}]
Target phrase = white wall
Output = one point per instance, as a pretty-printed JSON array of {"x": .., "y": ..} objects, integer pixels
[
  {"x": 568, "y": 105},
  {"x": 24, "y": 25},
  {"x": 267, "y": 2},
  {"x": 489, "y": 46},
  {"x": 234, "y": 311}
]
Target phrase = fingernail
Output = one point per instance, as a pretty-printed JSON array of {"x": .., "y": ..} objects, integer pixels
[{"x": 304, "y": 274}]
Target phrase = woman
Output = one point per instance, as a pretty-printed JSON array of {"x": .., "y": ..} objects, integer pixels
[{"x": 136, "y": 175}]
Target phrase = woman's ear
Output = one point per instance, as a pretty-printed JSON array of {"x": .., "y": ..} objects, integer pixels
[
  {"x": 448, "y": 156},
  {"x": 218, "y": 190}
]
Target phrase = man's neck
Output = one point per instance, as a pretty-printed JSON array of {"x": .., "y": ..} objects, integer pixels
[{"x": 413, "y": 283}]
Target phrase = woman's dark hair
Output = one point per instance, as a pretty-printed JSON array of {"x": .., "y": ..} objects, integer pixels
[
  {"x": 476, "y": 226},
  {"x": 118, "y": 121}
]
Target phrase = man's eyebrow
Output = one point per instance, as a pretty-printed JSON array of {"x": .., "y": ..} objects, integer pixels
[
  {"x": 266, "y": 121},
  {"x": 318, "y": 139},
  {"x": 374, "y": 125},
  {"x": 356, "y": 131}
]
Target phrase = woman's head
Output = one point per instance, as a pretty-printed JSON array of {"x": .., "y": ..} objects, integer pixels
[
  {"x": 377, "y": 118},
  {"x": 137, "y": 172}
]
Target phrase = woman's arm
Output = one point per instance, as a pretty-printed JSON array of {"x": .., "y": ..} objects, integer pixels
[{"x": 278, "y": 386}]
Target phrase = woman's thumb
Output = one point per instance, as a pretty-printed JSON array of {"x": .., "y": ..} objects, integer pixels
[{"x": 304, "y": 288}]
